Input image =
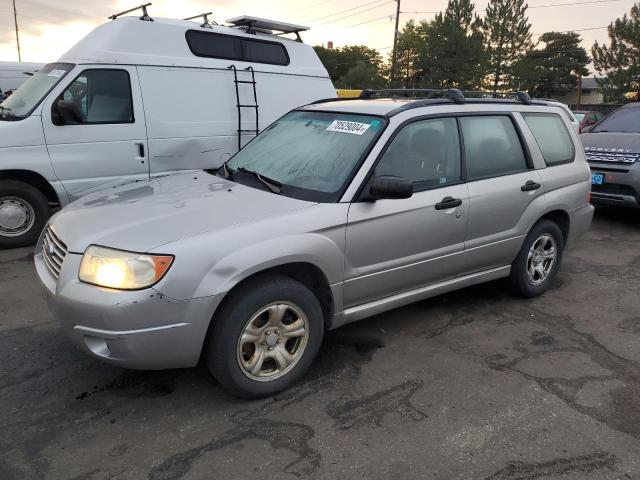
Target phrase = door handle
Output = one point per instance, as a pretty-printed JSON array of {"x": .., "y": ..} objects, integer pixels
[
  {"x": 530, "y": 186},
  {"x": 448, "y": 202},
  {"x": 141, "y": 150}
]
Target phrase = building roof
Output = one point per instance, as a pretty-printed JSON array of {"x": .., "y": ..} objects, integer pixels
[{"x": 590, "y": 83}]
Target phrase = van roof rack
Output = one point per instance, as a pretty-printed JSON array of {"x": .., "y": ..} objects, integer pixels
[
  {"x": 206, "y": 23},
  {"x": 145, "y": 16},
  {"x": 255, "y": 23}
]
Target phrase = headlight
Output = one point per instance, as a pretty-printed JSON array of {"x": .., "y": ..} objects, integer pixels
[{"x": 111, "y": 268}]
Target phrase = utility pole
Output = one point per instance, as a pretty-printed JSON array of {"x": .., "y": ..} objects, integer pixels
[
  {"x": 15, "y": 21},
  {"x": 396, "y": 33}
]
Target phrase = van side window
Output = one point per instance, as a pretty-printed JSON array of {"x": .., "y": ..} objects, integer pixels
[
  {"x": 427, "y": 152},
  {"x": 492, "y": 147},
  {"x": 231, "y": 47},
  {"x": 102, "y": 96},
  {"x": 552, "y": 137}
]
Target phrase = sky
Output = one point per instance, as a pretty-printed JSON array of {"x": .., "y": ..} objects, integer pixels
[{"x": 48, "y": 29}]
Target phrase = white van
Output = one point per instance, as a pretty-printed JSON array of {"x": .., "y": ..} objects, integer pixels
[
  {"x": 13, "y": 74},
  {"x": 142, "y": 97}
]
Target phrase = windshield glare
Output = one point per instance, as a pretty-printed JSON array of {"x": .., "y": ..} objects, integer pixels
[
  {"x": 27, "y": 97},
  {"x": 312, "y": 154},
  {"x": 624, "y": 120}
]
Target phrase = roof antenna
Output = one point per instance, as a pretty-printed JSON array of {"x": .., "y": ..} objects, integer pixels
[
  {"x": 145, "y": 16},
  {"x": 205, "y": 17}
]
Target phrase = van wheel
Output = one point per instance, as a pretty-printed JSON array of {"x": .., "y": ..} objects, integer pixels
[
  {"x": 538, "y": 262},
  {"x": 265, "y": 336},
  {"x": 24, "y": 210}
]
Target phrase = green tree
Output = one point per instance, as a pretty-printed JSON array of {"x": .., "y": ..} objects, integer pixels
[
  {"x": 362, "y": 75},
  {"x": 338, "y": 61},
  {"x": 507, "y": 36},
  {"x": 619, "y": 63},
  {"x": 554, "y": 69},
  {"x": 410, "y": 45},
  {"x": 452, "y": 54}
]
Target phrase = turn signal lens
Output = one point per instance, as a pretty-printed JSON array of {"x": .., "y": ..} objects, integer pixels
[{"x": 122, "y": 270}]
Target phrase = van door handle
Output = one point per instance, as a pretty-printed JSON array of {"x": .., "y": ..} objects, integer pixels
[
  {"x": 141, "y": 150},
  {"x": 448, "y": 202},
  {"x": 530, "y": 186}
]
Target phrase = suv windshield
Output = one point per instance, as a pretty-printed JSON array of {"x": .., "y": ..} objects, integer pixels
[
  {"x": 27, "y": 97},
  {"x": 624, "y": 120},
  {"x": 311, "y": 155}
]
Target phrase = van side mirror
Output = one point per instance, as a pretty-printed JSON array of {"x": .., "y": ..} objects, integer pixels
[
  {"x": 389, "y": 187},
  {"x": 65, "y": 112}
]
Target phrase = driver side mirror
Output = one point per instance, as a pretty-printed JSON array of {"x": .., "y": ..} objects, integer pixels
[
  {"x": 65, "y": 112},
  {"x": 389, "y": 187}
]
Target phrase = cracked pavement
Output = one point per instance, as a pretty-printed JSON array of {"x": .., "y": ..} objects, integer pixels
[{"x": 474, "y": 384}]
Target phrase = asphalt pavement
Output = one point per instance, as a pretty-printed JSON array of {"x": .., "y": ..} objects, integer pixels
[{"x": 475, "y": 384}]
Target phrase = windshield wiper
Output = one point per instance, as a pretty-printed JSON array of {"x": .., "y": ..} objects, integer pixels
[{"x": 273, "y": 185}]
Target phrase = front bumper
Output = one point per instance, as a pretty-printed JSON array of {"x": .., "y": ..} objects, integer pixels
[
  {"x": 621, "y": 187},
  {"x": 135, "y": 329}
]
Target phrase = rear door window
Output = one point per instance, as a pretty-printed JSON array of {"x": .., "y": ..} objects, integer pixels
[
  {"x": 492, "y": 147},
  {"x": 551, "y": 136}
]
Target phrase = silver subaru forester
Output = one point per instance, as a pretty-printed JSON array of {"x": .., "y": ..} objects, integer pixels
[{"x": 338, "y": 211}]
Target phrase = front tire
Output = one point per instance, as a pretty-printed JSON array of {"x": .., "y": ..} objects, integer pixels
[
  {"x": 24, "y": 211},
  {"x": 538, "y": 261},
  {"x": 265, "y": 336}
]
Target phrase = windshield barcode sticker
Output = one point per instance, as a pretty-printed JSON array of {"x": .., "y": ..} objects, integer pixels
[
  {"x": 56, "y": 73},
  {"x": 348, "y": 127}
]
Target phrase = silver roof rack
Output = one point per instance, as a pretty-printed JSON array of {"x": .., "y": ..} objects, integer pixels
[
  {"x": 145, "y": 16},
  {"x": 206, "y": 23}
]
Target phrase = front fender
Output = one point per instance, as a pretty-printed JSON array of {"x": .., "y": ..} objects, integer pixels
[{"x": 313, "y": 248}]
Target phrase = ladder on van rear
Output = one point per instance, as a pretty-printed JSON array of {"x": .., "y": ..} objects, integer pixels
[{"x": 241, "y": 105}]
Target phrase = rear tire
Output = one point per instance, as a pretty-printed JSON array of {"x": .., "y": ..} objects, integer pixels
[
  {"x": 24, "y": 211},
  {"x": 265, "y": 336},
  {"x": 538, "y": 261}
]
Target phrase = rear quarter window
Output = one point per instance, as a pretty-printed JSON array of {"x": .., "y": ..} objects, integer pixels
[{"x": 552, "y": 137}]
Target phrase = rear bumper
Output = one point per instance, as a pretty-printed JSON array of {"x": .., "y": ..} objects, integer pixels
[
  {"x": 134, "y": 329},
  {"x": 580, "y": 221}
]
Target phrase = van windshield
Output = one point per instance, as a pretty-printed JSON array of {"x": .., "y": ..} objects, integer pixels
[
  {"x": 312, "y": 155},
  {"x": 28, "y": 96}
]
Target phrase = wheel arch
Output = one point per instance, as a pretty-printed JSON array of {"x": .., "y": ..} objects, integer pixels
[
  {"x": 560, "y": 218},
  {"x": 34, "y": 179}
]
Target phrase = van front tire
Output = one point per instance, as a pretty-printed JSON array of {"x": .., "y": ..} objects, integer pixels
[
  {"x": 24, "y": 211},
  {"x": 538, "y": 261},
  {"x": 265, "y": 336}
]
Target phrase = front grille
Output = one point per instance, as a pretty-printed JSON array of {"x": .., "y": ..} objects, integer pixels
[
  {"x": 611, "y": 157},
  {"x": 53, "y": 252}
]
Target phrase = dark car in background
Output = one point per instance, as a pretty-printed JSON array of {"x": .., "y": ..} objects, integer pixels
[
  {"x": 612, "y": 149},
  {"x": 588, "y": 118}
]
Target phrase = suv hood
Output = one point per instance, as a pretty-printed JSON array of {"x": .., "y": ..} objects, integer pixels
[
  {"x": 611, "y": 142},
  {"x": 141, "y": 216}
]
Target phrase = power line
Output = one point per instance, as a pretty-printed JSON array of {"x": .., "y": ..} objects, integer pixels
[
  {"x": 537, "y": 6},
  {"x": 342, "y": 11},
  {"x": 354, "y": 14},
  {"x": 313, "y": 6}
]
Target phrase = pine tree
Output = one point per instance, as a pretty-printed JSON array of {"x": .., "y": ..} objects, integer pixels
[
  {"x": 410, "y": 45},
  {"x": 507, "y": 36},
  {"x": 620, "y": 61},
  {"x": 452, "y": 55},
  {"x": 554, "y": 69}
]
